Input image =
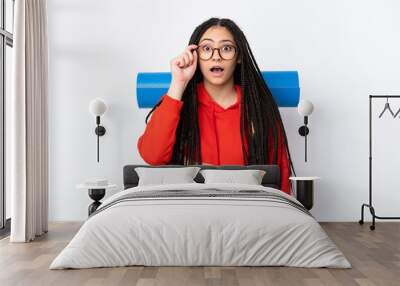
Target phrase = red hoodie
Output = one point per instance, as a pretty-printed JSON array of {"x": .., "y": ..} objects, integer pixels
[{"x": 220, "y": 139}]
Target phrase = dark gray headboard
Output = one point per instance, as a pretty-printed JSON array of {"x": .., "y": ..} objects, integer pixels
[{"x": 270, "y": 179}]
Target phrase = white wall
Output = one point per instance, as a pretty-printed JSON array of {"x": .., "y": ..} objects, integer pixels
[{"x": 343, "y": 50}]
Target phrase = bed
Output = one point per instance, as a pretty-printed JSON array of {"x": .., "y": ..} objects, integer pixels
[{"x": 201, "y": 224}]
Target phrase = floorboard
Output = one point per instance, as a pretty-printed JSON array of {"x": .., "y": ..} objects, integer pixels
[{"x": 374, "y": 255}]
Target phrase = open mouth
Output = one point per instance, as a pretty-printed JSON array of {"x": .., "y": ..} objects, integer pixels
[{"x": 217, "y": 70}]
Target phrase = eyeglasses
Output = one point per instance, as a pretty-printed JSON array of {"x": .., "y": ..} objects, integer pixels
[{"x": 226, "y": 52}]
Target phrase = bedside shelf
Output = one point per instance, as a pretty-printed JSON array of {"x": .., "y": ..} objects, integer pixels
[
  {"x": 96, "y": 193},
  {"x": 305, "y": 190}
]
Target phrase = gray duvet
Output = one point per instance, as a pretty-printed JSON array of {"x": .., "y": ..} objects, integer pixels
[{"x": 201, "y": 224}]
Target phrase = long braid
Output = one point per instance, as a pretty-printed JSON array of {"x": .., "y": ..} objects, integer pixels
[{"x": 277, "y": 115}]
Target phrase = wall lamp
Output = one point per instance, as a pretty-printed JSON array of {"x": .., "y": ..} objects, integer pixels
[
  {"x": 305, "y": 108},
  {"x": 97, "y": 107}
]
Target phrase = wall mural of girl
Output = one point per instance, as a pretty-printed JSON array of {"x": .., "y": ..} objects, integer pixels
[{"x": 218, "y": 109}]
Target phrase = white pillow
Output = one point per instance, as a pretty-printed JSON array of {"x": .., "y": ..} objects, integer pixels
[
  {"x": 250, "y": 177},
  {"x": 165, "y": 175}
]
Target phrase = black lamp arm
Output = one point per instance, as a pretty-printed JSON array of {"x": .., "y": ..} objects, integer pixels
[
  {"x": 305, "y": 120},
  {"x": 303, "y": 131},
  {"x": 100, "y": 131}
]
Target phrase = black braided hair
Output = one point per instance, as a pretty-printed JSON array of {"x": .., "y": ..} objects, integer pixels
[{"x": 260, "y": 117}]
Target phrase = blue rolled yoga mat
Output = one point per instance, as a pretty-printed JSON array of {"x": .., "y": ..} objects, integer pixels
[{"x": 284, "y": 86}]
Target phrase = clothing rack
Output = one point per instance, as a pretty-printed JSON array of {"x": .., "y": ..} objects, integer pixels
[{"x": 370, "y": 206}]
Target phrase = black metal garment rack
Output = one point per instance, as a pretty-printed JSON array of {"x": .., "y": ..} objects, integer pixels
[{"x": 370, "y": 206}]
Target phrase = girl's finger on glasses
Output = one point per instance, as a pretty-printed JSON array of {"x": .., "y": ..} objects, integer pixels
[
  {"x": 191, "y": 47},
  {"x": 187, "y": 60},
  {"x": 183, "y": 60},
  {"x": 195, "y": 55},
  {"x": 190, "y": 55},
  {"x": 190, "y": 59}
]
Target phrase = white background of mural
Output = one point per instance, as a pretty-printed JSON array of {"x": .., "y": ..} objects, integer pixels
[{"x": 343, "y": 51}]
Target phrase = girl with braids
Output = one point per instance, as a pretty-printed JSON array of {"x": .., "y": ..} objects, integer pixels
[{"x": 218, "y": 109}]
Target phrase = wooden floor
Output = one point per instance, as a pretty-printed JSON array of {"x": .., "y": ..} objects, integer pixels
[{"x": 374, "y": 255}]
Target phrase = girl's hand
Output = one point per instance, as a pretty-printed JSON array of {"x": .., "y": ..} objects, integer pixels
[{"x": 184, "y": 66}]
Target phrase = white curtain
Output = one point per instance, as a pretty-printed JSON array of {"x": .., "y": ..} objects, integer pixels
[{"x": 28, "y": 122}]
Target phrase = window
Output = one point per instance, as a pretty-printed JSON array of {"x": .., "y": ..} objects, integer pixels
[{"x": 6, "y": 44}]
